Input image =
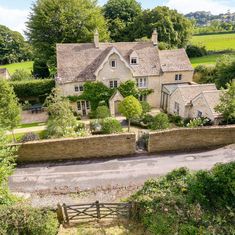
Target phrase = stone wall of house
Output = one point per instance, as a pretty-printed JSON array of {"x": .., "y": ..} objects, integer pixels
[
  {"x": 169, "y": 77},
  {"x": 187, "y": 139},
  {"x": 78, "y": 148}
]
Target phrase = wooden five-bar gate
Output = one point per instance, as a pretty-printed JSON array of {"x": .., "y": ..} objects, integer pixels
[{"x": 94, "y": 211}]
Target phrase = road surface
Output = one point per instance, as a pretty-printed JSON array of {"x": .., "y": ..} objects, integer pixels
[{"x": 74, "y": 176}]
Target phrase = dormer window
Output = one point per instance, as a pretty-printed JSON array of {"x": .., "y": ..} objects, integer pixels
[
  {"x": 113, "y": 64},
  {"x": 134, "y": 61}
]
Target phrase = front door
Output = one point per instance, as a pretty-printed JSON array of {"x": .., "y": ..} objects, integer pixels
[
  {"x": 116, "y": 104},
  {"x": 84, "y": 108}
]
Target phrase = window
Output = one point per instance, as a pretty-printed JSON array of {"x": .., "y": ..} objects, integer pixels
[
  {"x": 199, "y": 113},
  {"x": 113, "y": 84},
  {"x": 143, "y": 98},
  {"x": 113, "y": 64},
  {"x": 76, "y": 89},
  {"x": 87, "y": 105},
  {"x": 178, "y": 77},
  {"x": 177, "y": 108},
  {"x": 133, "y": 60},
  {"x": 81, "y": 88},
  {"x": 141, "y": 82},
  {"x": 79, "y": 105}
]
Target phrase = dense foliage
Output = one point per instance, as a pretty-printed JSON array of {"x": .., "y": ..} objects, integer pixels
[
  {"x": 172, "y": 27},
  {"x": 62, "y": 21},
  {"x": 13, "y": 47},
  {"x": 40, "y": 69},
  {"x": 102, "y": 112},
  {"x": 120, "y": 15},
  {"x": 184, "y": 202},
  {"x": 17, "y": 219},
  {"x": 196, "y": 51},
  {"x": 110, "y": 126},
  {"x": 33, "y": 88},
  {"x": 227, "y": 104},
  {"x": 21, "y": 75},
  {"x": 160, "y": 122},
  {"x": 7, "y": 163},
  {"x": 10, "y": 109}
]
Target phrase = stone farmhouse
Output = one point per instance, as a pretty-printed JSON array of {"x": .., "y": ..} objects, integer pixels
[
  {"x": 4, "y": 73},
  {"x": 163, "y": 71}
]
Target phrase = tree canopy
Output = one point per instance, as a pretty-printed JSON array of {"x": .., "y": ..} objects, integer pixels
[
  {"x": 13, "y": 47},
  {"x": 120, "y": 15},
  {"x": 63, "y": 21}
]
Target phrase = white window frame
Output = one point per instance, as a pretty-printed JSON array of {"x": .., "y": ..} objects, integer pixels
[
  {"x": 134, "y": 58},
  {"x": 178, "y": 77},
  {"x": 113, "y": 84},
  {"x": 142, "y": 82},
  {"x": 115, "y": 64}
]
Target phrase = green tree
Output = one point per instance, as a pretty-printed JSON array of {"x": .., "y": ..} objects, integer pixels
[
  {"x": 128, "y": 88},
  {"x": 160, "y": 122},
  {"x": 173, "y": 28},
  {"x": 62, "y": 122},
  {"x": 40, "y": 69},
  {"x": 10, "y": 111},
  {"x": 130, "y": 107},
  {"x": 13, "y": 47},
  {"x": 120, "y": 15},
  {"x": 225, "y": 71},
  {"x": 102, "y": 112},
  {"x": 227, "y": 104},
  {"x": 7, "y": 159},
  {"x": 20, "y": 75},
  {"x": 63, "y": 21}
]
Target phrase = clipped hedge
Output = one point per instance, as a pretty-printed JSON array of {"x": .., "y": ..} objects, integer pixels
[
  {"x": 19, "y": 219},
  {"x": 33, "y": 88}
]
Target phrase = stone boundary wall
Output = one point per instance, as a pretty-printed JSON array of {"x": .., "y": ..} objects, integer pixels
[
  {"x": 186, "y": 138},
  {"x": 77, "y": 148}
]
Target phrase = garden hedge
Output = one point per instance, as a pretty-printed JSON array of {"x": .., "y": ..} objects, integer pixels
[{"x": 33, "y": 88}]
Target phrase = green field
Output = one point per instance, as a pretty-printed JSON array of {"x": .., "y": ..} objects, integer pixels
[
  {"x": 13, "y": 67},
  {"x": 217, "y": 42},
  {"x": 207, "y": 60}
]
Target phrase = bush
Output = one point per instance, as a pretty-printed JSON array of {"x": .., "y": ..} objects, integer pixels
[
  {"x": 26, "y": 105},
  {"x": 33, "y": 88},
  {"x": 111, "y": 126},
  {"x": 102, "y": 112},
  {"x": 177, "y": 120},
  {"x": 40, "y": 69},
  {"x": 147, "y": 119},
  {"x": 145, "y": 106},
  {"x": 196, "y": 122},
  {"x": 160, "y": 122},
  {"x": 196, "y": 51},
  {"x": 21, "y": 75},
  {"x": 19, "y": 219},
  {"x": 204, "y": 74},
  {"x": 29, "y": 137}
]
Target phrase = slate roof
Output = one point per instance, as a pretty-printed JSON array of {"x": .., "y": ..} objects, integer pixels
[
  {"x": 175, "y": 60},
  {"x": 79, "y": 62}
]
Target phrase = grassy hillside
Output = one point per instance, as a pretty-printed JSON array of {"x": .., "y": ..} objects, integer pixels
[
  {"x": 217, "y": 42},
  {"x": 13, "y": 67},
  {"x": 206, "y": 60}
]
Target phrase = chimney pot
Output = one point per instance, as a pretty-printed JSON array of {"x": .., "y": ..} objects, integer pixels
[
  {"x": 155, "y": 37},
  {"x": 96, "y": 39}
]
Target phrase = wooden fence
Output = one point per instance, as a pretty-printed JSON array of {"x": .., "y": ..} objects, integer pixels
[{"x": 94, "y": 211}]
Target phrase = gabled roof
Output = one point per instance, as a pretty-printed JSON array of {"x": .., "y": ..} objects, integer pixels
[
  {"x": 212, "y": 99},
  {"x": 189, "y": 92},
  {"x": 175, "y": 60}
]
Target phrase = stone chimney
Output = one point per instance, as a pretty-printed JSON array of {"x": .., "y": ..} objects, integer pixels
[
  {"x": 96, "y": 39},
  {"x": 155, "y": 37}
]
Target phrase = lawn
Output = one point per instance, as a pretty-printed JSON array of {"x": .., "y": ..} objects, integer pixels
[
  {"x": 206, "y": 60},
  {"x": 13, "y": 67},
  {"x": 217, "y": 42}
]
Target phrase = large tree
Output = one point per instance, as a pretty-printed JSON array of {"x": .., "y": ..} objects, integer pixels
[
  {"x": 9, "y": 107},
  {"x": 63, "y": 21},
  {"x": 13, "y": 47},
  {"x": 120, "y": 15},
  {"x": 173, "y": 28}
]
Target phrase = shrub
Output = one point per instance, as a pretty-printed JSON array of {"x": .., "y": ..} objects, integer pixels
[
  {"x": 204, "y": 74},
  {"x": 40, "y": 69},
  {"x": 29, "y": 137},
  {"x": 177, "y": 120},
  {"x": 147, "y": 119},
  {"x": 111, "y": 126},
  {"x": 145, "y": 107},
  {"x": 21, "y": 75},
  {"x": 160, "y": 122},
  {"x": 102, "y": 112},
  {"x": 196, "y": 122},
  {"x": 196, "y": 51},
  {"x": 26, "y": 105},
  {"x": 19, "y": 219},
  {"x": 33, "y": 88},
  {"x": 95, "y": 126}
]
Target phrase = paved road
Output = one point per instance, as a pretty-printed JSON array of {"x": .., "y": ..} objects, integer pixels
[{"x": 88, "y": 175}]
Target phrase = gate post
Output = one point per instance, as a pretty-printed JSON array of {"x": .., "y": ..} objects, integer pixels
[
  {"x": 66, "y": 214},
  {"x": 98, "y": 209},
  {"x": 59, "y": 212}
]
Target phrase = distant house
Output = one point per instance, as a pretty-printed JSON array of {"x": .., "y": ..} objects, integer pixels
[
  {"x": 192, "y": 101},
  {"x": 4, "y": 73},
  {"x": 116, "y": 63}
]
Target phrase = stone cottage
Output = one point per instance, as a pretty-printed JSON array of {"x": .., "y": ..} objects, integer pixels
[{"x": 115, "y": 63}]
